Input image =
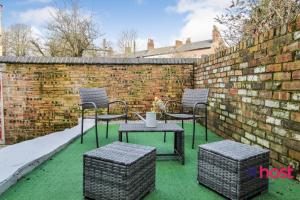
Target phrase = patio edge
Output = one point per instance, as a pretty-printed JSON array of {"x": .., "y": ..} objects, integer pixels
[{"x": 31, "y": 164}]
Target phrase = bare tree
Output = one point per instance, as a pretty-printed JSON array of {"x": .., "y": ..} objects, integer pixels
[
  {"x": 245, "y": 18},
  {"x": 127, "y": 40},
  {"x": 17, "y": 40},
  {"x": 37, "y": 47},
  {"x": 71, "y": 32}
]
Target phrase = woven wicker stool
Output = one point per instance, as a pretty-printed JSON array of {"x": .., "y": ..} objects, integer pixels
[
  {"x": 119, "y": 171},
  {"x": 232, "y": 168}
]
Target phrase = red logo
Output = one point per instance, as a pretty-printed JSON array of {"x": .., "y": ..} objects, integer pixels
[{"x": 276, "y": 173}]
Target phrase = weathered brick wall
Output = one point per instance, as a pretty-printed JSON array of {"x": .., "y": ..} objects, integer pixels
[
  {"x": 1, "y": 114},
  {"x": 255, "y": 92},
  {"x": 42, "y": 98}
]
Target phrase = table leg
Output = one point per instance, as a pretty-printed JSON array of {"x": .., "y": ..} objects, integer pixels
[
  {"x": 179, "y": 146},
  {"x": 182, "y": 147},
  {"x": 120, "y": 136},
  {"x": 175, "y": 142}
]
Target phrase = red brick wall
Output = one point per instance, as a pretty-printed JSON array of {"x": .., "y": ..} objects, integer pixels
[
  {"x": 42, "y": 98},
  {"x": 255, "y": 92}
]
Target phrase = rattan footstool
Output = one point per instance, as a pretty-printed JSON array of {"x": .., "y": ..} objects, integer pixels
[
  {"x": 119, "y": 171},
  {"x": 232, "y": 168}
]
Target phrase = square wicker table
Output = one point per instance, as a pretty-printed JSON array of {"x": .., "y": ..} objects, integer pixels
[
  {"x": 161, "y": 127},
  {"x": 119, "y": 171},
  {"x": 232, "y": 168}
]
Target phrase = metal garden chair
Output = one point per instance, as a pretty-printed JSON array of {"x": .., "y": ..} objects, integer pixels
[
  {"x": 192, "y": 99},
  {"x": 96, "y": 98}
]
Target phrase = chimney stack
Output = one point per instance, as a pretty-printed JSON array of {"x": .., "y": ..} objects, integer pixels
[
  {"x": 110, "y": 52},
  {"x": 104, "y": 47},
  {"x": 150, "y": 44},
  {"x": 188, "y": 41},
  {"x": 178, "y": 43},
  {"x": 216, "y": 34}
]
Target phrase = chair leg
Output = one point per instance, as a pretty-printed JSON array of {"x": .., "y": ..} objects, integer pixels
[
  {"x": 126, "y": 119},
  {"x": 107, "y": 129},
  {"x": 194, "y": 128},
  {"x": 97, "y": 141},
  {"x": 165, "y": 133},
  {"x": 206, "y": 123},
  {"x": 182, "y": 124},
  {"x": 82, "y": 120}
]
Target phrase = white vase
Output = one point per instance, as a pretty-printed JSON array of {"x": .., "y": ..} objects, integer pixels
[{"x": 151, "y": 119}]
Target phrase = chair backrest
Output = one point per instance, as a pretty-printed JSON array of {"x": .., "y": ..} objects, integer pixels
[
  {"x": 191, "y": 96},
  {"x": 96, "y": 95}
]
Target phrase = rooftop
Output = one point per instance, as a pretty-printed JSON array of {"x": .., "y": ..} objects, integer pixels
[{"x": 173, "y": 49}]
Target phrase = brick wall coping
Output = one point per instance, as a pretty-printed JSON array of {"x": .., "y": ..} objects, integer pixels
[{"x": 99, "y": 60}]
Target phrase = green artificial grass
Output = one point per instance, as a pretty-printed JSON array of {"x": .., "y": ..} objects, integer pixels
[{"x": 60, "y": 178}]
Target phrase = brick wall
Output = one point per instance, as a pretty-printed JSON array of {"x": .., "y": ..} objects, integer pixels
[
  {"x": 255, "y": 92},
  {"x": 1, "y": 114},
  {"x": 41, "y": 98}
]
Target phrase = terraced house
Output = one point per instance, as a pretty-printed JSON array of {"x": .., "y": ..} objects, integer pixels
[{"x": 187, "y": 49}]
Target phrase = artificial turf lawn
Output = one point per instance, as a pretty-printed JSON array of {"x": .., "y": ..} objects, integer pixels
[{"x": 61, "y": 177}]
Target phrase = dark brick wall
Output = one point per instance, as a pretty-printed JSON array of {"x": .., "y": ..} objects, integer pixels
[{"x": 255, "y": 92}]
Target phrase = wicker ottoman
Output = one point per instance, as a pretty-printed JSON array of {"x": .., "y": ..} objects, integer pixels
[
  {"x": 119, "y": 171},
  {"x": 232, "y": 169}
]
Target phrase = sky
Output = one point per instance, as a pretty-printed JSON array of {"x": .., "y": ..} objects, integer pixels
[{"x": 164, "y": 21}]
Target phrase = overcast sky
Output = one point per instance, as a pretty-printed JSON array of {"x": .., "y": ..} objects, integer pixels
[{"x": 162, "y": 20}]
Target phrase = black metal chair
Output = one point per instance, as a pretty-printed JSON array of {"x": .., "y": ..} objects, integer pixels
[
  {"x": 96, "y": 98},
  {"x": 195, "y": 99}
]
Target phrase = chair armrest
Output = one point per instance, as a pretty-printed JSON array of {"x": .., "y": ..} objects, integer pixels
[
  {"x": 198, "y": 103},
  {"x": 171, "y": 101},
  {"x": 88, "y": 103},
  {"x": 119, "y": 101}
]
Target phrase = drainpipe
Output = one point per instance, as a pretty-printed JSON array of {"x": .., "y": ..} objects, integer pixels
[
  {"x": 193, "y": 75},
  {"x": 2, "y": 135}
]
